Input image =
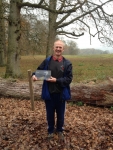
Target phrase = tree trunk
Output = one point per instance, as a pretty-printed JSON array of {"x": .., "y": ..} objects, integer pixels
[
  {"x": 96, "y": 94},
  {"x": 52, "y": 28},
  {"x": 2, "y": 36},
  {"x": 13, "y": 57}
]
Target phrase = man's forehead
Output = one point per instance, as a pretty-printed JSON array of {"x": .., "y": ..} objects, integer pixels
[{"x": 59, "y": 43}]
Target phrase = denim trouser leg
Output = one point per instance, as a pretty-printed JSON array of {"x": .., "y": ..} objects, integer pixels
[
  {"x": 60, "y": 110},
  {"x": 55, "y": 104},
  {"x": 50, "y": 114}
]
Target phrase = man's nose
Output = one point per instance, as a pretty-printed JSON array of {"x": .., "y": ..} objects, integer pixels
[{"x": 58, "y": 48}]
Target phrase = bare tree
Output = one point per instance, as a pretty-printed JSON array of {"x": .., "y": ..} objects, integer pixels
[
  {"x": 14, "y": 34},
  {"x": 2, "y": 35},
  {"x": 73, "y": 18},
  {"x": 84, "y": 14},
  {"x": 71, "y": 48},
  {"x": 24, "y": 43},
  {"x": 33, "y": 35}
]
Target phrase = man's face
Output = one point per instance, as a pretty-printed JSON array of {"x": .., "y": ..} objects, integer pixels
[{"x": 58, "y": 48}]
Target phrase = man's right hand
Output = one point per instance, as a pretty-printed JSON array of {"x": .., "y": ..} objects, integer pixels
[{"x": 34, "y": 78}]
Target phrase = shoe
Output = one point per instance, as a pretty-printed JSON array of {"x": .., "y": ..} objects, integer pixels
[
  {"x": 61, "y": 136},
  {"x": 50, "y": 136}
]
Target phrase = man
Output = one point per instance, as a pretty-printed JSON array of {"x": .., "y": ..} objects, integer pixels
[{"x": 56, "y": 89}]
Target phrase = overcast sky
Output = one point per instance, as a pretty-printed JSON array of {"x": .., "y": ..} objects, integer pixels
[{"x": 84, "y": 42}]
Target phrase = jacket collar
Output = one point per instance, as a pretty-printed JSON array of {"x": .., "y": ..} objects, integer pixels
[{"x": 57, "y": 59}]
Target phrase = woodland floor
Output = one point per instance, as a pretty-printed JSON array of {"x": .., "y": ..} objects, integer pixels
[{"x": 86, "y": 127}]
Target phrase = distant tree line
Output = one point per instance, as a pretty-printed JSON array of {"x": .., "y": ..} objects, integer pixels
[{"x": 92, "y": 51}]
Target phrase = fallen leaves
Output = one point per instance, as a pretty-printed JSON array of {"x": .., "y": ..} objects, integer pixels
[{"x": 86, "y": 127}]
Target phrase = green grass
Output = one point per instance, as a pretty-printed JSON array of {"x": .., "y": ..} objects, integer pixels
[{"x": 97, "y": 67}]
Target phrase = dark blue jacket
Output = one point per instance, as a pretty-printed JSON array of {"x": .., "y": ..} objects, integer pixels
[{"x": 64, "y": 81}]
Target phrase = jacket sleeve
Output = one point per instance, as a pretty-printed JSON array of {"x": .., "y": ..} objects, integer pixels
[{"x": 67, "y": 78}]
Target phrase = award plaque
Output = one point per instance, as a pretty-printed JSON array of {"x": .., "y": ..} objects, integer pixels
[{"x": 43, "y": 74}]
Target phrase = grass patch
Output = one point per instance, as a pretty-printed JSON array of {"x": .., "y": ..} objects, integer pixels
[{"x": 84, "y": 67}]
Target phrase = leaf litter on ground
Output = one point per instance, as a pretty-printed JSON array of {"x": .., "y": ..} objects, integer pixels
[{"x": 86, "y": 127}]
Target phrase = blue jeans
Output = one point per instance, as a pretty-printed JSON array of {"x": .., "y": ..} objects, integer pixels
[{"x": 52, "y": 106}]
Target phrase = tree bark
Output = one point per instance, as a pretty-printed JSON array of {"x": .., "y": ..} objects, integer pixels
[
  {"x": 52, "y": 28},
  {"x": 13, "y": 57},
  {"x": 2, "y": 36},
  {"x": 96, "y": 94}
]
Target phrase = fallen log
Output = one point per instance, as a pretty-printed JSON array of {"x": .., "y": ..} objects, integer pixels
[
  {"x": 90, "y": 93},
  {"x": 97, "y": 94}
]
